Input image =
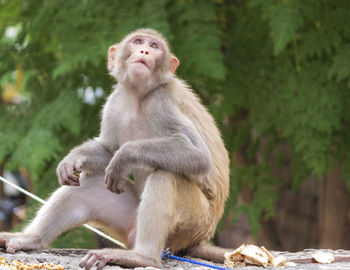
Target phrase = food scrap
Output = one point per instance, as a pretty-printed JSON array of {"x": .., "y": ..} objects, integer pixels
[
  {"x": 17, "y": 265},
  {"x": 76, "y": 173},
  {"x": 322, "y": 257},
  {"x": 251, "y": 254}
]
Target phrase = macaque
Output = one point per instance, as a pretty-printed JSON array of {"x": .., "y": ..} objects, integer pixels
[{"x": 154, "y": 128}]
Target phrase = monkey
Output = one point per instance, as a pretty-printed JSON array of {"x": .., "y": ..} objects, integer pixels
[{"x": 155, "y": 128}]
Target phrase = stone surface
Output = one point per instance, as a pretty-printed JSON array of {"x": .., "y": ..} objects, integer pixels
[{"x": 70, "y": 259}]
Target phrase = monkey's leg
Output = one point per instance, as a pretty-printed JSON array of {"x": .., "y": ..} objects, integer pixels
[
  {"x": 208, "y": 252},
  {"x": 155, "y": 220},
  {"x": 72, "y": 206}
]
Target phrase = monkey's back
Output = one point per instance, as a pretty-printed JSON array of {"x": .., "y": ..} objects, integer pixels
[{"x": 218, "y": 177}]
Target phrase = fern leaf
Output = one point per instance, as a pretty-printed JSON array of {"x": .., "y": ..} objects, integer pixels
[
  {"x": 157, "y": 20},
  {"x": 198, "y": 39},
  {"x": 310, "y": 127},
  {"x": 64, "y": 111},
  {"x": 9, "y": 140},
  {"x": 285, "y": 19},
  {"x": 35, "y": 150},
  {"x": 340, "y": 68}
]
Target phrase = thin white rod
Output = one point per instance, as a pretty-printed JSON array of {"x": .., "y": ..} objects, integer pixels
[
  {"x": 115, "y": 241},
  {"x": 43, "y": 202},
  {"x": 22, "y": 190}
]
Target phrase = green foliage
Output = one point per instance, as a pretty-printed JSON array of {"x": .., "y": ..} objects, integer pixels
[
  {"x": 340, "y": 66},
  {"x": 194, "y": 24},
  {"x": 45, "y": 145},
  {"x": 261, "y": 183},
  {"x": 289, "y": 82},
  {"x": 76, "y": 238},
  {"x": 285, "y": 18},
  {"x": 273, "y": 73}
]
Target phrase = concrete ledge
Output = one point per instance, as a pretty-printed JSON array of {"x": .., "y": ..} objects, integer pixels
[{"x": 70, "y": 259}]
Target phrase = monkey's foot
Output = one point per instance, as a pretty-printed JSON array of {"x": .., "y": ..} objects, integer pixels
[
  {"x": 127, "y": 258},
  {"x": 19, "y": 241}
]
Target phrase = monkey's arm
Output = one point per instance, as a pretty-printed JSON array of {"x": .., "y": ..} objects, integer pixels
[
  {"x": 91, "y": 157},
  {"x": 174, "y": 153},
  {"x": 182, "y": 153}
]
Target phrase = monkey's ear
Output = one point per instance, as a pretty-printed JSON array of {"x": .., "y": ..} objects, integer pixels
[
  {"x": 111, "y": 56},
  {"x": 174, "y": 63}
]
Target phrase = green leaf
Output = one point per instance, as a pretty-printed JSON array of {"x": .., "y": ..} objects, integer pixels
[
  {"x": 35, "y": 150},
  {"x": 340, "y": 68},
  {"x": 198, "y": 39},
  {"x": 8, "y": 143},
  {"x": 285, "y": 19},
  {"x": 64, "y": 111}
]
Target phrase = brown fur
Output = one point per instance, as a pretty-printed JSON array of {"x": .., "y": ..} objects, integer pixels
[{"x": 217, "y": 181}]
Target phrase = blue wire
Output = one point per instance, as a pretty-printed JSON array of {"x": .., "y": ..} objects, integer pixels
[{"x": 168, "y": 254}]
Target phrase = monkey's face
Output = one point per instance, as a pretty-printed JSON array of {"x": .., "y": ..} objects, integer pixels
[
  {"x": 142, "y": 58},
  {"x": 146, "y": 56}
]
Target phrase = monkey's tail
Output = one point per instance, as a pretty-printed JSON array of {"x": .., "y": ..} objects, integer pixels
[
  {"x": 167, "y": 254},
  {"x": 209, "y": 252}
]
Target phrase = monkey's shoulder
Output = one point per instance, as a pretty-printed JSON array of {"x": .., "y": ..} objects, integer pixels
[{"x": 189, "y": 103}]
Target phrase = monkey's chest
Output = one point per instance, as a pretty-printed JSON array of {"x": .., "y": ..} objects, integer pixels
[{"x": 131, "y": 127}]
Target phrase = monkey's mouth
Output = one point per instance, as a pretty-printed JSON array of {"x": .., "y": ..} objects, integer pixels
[{"x": 141, "y": 61}]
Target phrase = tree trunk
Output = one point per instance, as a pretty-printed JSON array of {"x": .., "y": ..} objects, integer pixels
[{"x": 334, "y": 212}]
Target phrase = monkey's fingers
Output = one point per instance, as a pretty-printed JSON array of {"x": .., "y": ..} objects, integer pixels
[
  {"x": 76, "y": 170},
  {"x": 11, "y": 250},
  {"x": 114, "y": 189},
  {"x": 72, "y": 181},
  {"x": 3, "y": 241},
  {"x": 64, "y": 173},
  {"x": 78, "y": 164},
  {"x": 91, "y": 261},
  {"x": 85, "y": 259},
  {"x": 10, "y": 247},
  {"x": 100, "y": 265},
  {"x": 119, "y": 188},
  {"x": 115, "y": 186},
  {"x": 76, "y": 173},
  {"x": 69, "y": 182},
  {"x": 108, "y": 181},
  {"x": 74, "y": 176},
  {"x": 68, "y": 177}
]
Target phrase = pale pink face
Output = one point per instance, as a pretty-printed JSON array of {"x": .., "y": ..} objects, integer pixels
[
  {"x": 139, "y": 58},
  {"x": 145, "y": 51}
]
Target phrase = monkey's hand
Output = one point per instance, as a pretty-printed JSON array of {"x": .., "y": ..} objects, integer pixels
[
  {"x": 117, "y": 172},
  {"x": 68, "y": 171}
]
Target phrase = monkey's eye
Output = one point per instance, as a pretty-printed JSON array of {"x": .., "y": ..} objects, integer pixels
[
  {"x": 154, "y": 45},
  {"x": 138, "y": 41}
]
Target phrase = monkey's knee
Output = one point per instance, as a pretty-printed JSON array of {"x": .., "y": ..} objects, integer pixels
[{"x": 66, "y": 205}]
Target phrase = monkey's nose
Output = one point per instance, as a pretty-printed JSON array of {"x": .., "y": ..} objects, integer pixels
[{"x": 146, "y": 52}]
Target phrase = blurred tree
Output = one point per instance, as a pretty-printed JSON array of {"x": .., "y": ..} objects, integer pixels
[{"x": 274, "y": 73}]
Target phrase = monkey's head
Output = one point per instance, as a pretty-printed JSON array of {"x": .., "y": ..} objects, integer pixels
[{"x": 142, "y": 57}]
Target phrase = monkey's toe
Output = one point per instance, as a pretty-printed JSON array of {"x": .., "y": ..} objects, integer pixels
[
  {"x": 10, "y": 250},
  {"x": 127, "y": 258},
  {"x": 13, "y": 242},
  {"x": 91, "y": 258}
]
